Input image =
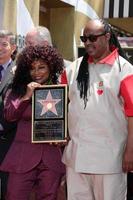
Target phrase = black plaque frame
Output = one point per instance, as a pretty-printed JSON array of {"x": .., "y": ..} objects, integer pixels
[{"x": 49, "y": 114}]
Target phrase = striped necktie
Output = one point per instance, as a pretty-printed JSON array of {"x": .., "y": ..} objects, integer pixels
[{"x": 1, "y": 68}]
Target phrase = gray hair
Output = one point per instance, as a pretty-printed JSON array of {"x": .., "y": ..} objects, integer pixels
[
  {"x": 6, "y": 33},
  {"x": 43, "y": 34}
]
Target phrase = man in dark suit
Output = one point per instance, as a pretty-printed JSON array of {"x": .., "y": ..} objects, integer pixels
[{"x": 7, "y": 68}]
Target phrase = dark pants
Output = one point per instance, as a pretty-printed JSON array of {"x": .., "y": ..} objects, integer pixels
[
  {"x": 3, "y": 179},
  {"x": 130, "y": 186},
  {"x": 5, "y": 143}
]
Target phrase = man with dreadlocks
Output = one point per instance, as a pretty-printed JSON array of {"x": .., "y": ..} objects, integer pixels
[{"x": 100, "y": 122}]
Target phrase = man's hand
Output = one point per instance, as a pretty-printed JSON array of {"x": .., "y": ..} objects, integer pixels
[
  {"x": 128, "y": 153},
  {"x": 127, "y": 164}
]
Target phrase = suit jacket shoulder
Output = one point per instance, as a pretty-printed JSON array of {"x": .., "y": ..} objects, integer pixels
[{"x": 7, "y": 78}]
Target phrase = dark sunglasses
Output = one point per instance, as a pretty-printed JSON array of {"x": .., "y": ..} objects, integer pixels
[{"x": 92, "y": 38}]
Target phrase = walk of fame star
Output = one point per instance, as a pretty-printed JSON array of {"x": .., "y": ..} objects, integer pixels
[{"x": 48, "y": 104}]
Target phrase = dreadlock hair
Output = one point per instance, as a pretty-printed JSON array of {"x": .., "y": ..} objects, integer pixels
[
  {"x": 83, "y": 78},
  {"x": 113, "y": 42}
]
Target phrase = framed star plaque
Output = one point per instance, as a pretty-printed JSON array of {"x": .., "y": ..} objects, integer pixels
[{"x": 49, "y": 114}]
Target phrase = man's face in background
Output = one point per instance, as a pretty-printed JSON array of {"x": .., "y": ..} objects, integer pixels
[
  {"x": 6, "y": 49},
  {"x": 33, "y": 39}
]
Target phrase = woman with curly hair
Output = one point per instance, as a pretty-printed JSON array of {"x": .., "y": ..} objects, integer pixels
[{"x": 31, "y": 164}]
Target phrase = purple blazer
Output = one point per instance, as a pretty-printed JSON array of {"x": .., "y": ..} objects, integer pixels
[{"x": 24, "y": 155}]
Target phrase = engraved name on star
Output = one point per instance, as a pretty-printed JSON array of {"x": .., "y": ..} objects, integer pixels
[{"x": 48, "y": 104}]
